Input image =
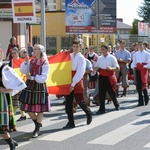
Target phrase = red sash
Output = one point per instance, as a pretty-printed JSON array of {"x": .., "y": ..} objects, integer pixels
[
  {"x": 144, "y": 74},
  {"x": 112, "y": 77},
  {"x": 79, "y": 87}
]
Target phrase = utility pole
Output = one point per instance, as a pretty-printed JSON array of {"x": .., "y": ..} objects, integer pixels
[
  {"x": 97, "y": 18},
  {"x": 43, "y": 27}
]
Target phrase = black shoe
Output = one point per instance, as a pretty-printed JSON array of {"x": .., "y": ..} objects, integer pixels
[
  {"x": 22, "y": 118},
  {"x": 89, "y": 119},
  {"x": 123, "y": 95},
  {"x": 117, "y": 108},
  {"x": 146, "y": 103},
  {"x": 140, "y": 105},
  {"x": 69, "y": 126},
  {"x": 99, "y": 112}
]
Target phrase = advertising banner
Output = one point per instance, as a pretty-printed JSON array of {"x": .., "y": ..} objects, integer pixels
[
  {"x": 23, "y": 11},
  {"x": 143, "y": 29},
  {"x": 81, "y": 16}
]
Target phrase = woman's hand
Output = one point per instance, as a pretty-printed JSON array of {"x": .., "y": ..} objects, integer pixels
[
  {"x": 26, "y": 57},
  {"x": 4, "y": 90}
]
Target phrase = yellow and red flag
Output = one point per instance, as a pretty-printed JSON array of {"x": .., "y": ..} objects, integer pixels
[
  {"x": 59, "y": 79},
  {"x": 24, "y": 11}
]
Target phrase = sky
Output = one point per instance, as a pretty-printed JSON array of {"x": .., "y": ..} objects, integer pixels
[{"x": 127, "y": 9}]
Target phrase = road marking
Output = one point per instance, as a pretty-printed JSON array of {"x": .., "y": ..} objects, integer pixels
[
  {"x": 122, "y": 133},
  {"x": 147, "y": 145},
  {"x": 65, "y": 134},
  {"x": 46, "y": 122}
]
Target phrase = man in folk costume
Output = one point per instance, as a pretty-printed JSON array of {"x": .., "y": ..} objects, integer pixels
[
  {"x": 132, "y": 55},
  {"x": 140, "y": 64},
  {"x": 145, "y": 44},
  {"x": 107, "y": 65},
  {"x": 76, "y": 88},
  {"x": 124, "y": 58},
  {"x": 88, "y": 70}
]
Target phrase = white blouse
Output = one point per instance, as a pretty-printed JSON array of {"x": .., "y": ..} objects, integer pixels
[
  {"x": 104, "y": 62},
  {"x": 78, "y": 65},
  {"x": 24, "y": 68}
]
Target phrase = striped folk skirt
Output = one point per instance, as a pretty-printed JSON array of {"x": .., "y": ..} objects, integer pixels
[
  {"x": 7, "y": 120},
  {"x": 35, "y": 98}
]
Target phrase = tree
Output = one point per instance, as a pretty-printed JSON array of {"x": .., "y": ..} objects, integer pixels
[
  {"x": 134, "y": 29},
  {"x": 144, "y": 11}
]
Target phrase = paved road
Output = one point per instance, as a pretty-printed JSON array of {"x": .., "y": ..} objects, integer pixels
[{"x": 127, "y": 129}]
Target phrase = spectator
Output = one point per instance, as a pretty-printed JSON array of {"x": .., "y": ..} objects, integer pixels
[
  {"x": 10, "y": 47},
  {"x": 30, "y": 50}
]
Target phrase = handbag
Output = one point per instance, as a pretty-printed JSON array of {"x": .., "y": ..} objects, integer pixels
[{"x": 11, "y": 80}]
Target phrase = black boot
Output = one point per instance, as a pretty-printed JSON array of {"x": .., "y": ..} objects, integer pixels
[
  {"x": 87, "y": 111},
  {"x": 36, "y": 132},
  {"x": 69, "y": 125},
  {"x": 11, "y": 143},
  {"x": 146, "y": 97}
]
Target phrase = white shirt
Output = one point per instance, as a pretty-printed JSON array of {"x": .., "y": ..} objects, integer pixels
[
  {"x": 24, "y": 68},
  {"x": 78, "y": 65},
  {"x": 141, "y": 57},
  {"x": 104, "y": 62}
]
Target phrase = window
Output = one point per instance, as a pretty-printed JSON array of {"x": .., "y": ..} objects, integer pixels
[
  {"x": 66, "y": 42},
  {"x": 62, "y": 5},
  {"x": 51, "y": 5},
  {"x": 51, "y": 45},
  {"x": 122, "y": 32}
]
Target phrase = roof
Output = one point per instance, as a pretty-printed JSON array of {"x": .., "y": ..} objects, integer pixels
[
  {"x": 5, "y": 1},
  {"x": 121, "y": 25}
]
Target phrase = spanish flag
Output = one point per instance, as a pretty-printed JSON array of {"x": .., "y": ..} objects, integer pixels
[
  {"x": 59, "y": 79},
  {"x": 23, "y": 9}
]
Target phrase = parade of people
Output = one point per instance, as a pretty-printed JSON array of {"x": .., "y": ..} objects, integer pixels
[{"x": 74, "y": 75}]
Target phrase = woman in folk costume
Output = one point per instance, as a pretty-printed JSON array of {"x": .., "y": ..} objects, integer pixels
[
  {"x": 92, "y": 56},
  {"x": 7, "y": 121},
  {"x": 15, "y": 98},
  {"x": 34, "y": 98}
]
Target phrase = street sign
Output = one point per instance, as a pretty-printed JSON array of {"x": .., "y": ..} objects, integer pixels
[
  {"x": 100, "y": 21},
  {"x": 97, "y": 8},
  {"x": 100, "y": 6}
]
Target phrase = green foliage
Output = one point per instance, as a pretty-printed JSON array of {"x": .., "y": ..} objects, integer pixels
[
  {"x": 144, "y": 11},
  {"x": 54, "y": 52},
  {"x": 134, "y": 29}
]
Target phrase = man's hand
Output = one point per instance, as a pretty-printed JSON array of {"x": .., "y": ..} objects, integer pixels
[
  {"x": 108, "y": 68},
  {"x": 71, "y": 88}
]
